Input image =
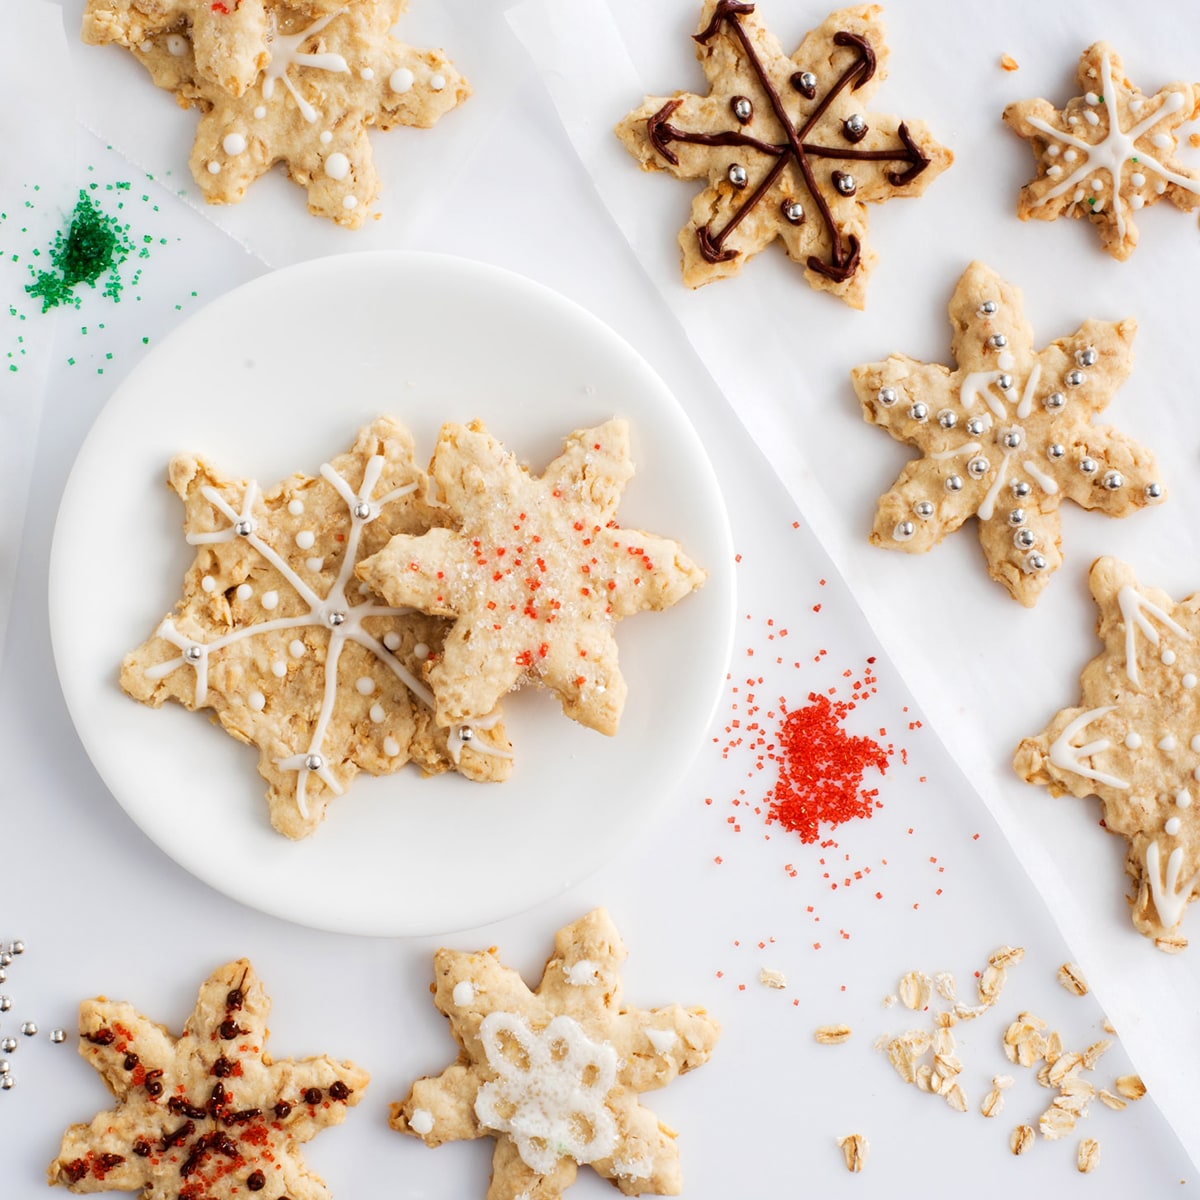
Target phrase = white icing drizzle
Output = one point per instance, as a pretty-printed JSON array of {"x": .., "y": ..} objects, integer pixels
[
  {"x": 1170, "y": 897},
  {"x": 584, "y": 973},
  {"x": 1167, "y": 742},
  {"x": 1134, "y": 606},
  {"x": 1044, "y": 481},
  {"x": 1172, "y": 825},
  {"x": 464, "y": 993},
  {"x": 566, "y": 1075},
  {"x": 1026, "y": 405},
  {"x": 1133, "y": 741},
  {"x": 662, "y": 1039},
  {"x": 421, "y": 1121},
  {"x": 976, "y": 384},
  {"x": 1117, "y": 147},
  {"x": 1183, "y": 798},
  {"x": 1070, "y": 758},
  {"x": 965, "y": 448},
  {"x": 285, "y": 52}
]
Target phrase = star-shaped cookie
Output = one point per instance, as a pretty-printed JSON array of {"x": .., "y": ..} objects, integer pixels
[
  {"x": 1134, "y": 741},
  {"x": 536, "y": 573},
  {"x": 1007, "y": 435},
  {"x": 786, "y": 146},
  {"x": 304, "y": 84},
  {"x": 278, "y": 639},
  {"x": 1109, "y": 152},
  {"x": 208, "y": 1115},
  {"x": 554, "y": 1074}
]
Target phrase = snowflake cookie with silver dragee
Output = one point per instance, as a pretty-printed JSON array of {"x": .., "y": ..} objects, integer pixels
[
  {"x": 297, "y": 83},
  {"x": 787, "y": 146},
  {"x": 208, "y": 1115},
  {"x": 554, "y": 1074},
  {"x": 288, "y": 650},
  {"x": 1108, "y": 153},
  {"x": 1134, "y": 741},
  {"x": 536, "y": 574},
  {"x": 1007, "y": 435}
]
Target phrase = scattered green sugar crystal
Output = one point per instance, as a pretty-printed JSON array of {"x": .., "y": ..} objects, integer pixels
[{"x": 95, "y": 244}]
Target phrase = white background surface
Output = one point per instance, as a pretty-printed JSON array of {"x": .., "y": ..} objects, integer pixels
[{"x": 103, "y": 911}]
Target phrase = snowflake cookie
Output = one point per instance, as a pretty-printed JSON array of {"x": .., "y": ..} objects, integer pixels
[
  {"x": 1134, "y": 742},
  {"x": 1007, "y": 436},
  {"x": 293, "y": 83},
  {"x": 786, "y": 145},
  {"x": 554, "y": 1074},
  {"x": 208, "y": 1115},
  {"x": 536, "y": 573},
  {"x": 275, "y": 636},
  {"x": 1109, "y": 153}
]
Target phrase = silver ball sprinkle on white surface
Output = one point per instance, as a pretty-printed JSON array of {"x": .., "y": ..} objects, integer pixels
[
  {"x": 313, "y": 762},
  {"x": 923, "y": 509},
  {"x": 1074, "y": 378},
  {"x": 1035, "y": 562},
  {"x": 997, "y": 341},
  {"x": 886, "y": 396},
  {"x": 904, "y": 531},
  {"x": 1055, "y": 450},
  {"x": 5, "y": 958},
  {"x": 17, "y": 947},
  {"x": 1087, "y": 357},
  {"x": 1024, "y": 539},
  {"x": 194, "y": 653},
  {"x": 947, "y": 418},
  {"x": 1088, "y": 466},
  {"x": 919, "y": 411},
  {"x": 954, "y": 483},
  {"x": 975, "y": 426},
  {"x": 5, "y": 1003},
  {"x": 1113, "y": 480},
  {"x": 362, "y": 510},
  {"x": 58, "y": 1036},
  {"x": 988, "y": 308},
  {"x": 738, "y": 176},
  {"x": 1054, "y": 401},
  {"x": 1005, "y": 382},
  {"x": 978, "y": 466},
  {"x": 465, "y": 733},
  {"x": 244, "y": 528},
  {"x": 1154, "y": 492},
  {"x": 794, "y": 211},
  {"x": 8, "y": 1045},
  {"x": 7, "y": 1082},
  {"x": 1016, "y": 516},
  {"x": 5, "y": 1066},
  {"x": 1020, "y": 489},
  {"x": 29, "y": 1028},
  {"x": 1012, "y": 438},
  {"x": 336, "y": 618}
]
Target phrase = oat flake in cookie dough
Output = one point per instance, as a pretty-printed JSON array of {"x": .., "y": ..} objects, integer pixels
[
  {"x": 1109, "y": 152},
  {"x": 208, "y": 1115},
  {"x": 536, "y": 574},
  {"x": 278, "y": 82},
  {"x": 278, "y": 639},
  {"x": 1007, "y": 436},
  {"x": 1134, "y": 741},
  {"x": 788, "y": 147},
  {"x": 554, "y": 1074}
]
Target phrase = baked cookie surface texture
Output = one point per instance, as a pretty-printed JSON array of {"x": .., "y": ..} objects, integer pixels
[
  {"x": 787, "y": 146},
  {"x": 1006, "y": 436},
  {"x": 208, "y": 1115},
  {"x": 1108, "y": 153},
  {"x": 275, "y": 635},
  {"x": 554, "y": 1074},
  {"x": 1134, "y": 741},
  {"x": 536, "y": 574},
  {"x": 292, "y": 83}
]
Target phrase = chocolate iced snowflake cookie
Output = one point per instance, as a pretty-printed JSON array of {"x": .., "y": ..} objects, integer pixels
[
  {"x": 278, "y": 639},
  {"x": 1134, "y": 741},
  {"x": 1109, "y": 152},
  {"x": 1006, "y": 436},
  {"x": 787, "y": 146},
  {"x": 554, "y": 1074},
  {"x": 209, "y": 1114},
  {"x": 279, "y": 82},
  {"x": 535, "y": 575}
]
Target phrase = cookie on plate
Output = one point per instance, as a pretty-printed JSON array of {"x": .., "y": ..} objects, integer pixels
[
  {"x": 209, "y": 1113},
  {"x": 1005, "y": 436},
  {"x": 535, "y": 573},
  {"x": 275, "y": 635},
  {"x": 1134, "y": 741},
  {"x": 294, "y": 83},
  {"x": 554, "y": 1074},
  {"x": 786, "y": 146},
  {"x": 1108, "y": 153}
]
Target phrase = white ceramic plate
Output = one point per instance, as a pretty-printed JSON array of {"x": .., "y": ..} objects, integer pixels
[{"x": 277, "y": 376}]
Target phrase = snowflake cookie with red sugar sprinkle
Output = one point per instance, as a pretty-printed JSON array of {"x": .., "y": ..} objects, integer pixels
[
  {"x": 536, "y": 573},
  {"x": 208, "y": 1115},
  {"x": 1108, "y": 153},
  {"x": 279, "y": 82},
  {"x": 554, "y": 1074},
  {"x": 1134, "y": 741},
  {"x": 1006, "y": 436},
  {"x": 289, "y": 651},
  {"x": 787, "y": 147}
]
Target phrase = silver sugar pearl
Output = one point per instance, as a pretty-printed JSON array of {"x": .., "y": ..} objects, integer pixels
[
  {"x": 17, "y": 947},
  {"x": 465, "y": 733},
  {"x": 5, "y": 1066},
  {"x": 975, "y": 426},
  {"x": 794, "y": 211},
  {"x": 954, "y": 483},
  {"x": 1005, "y": 382},
  {"x": 29, "y": 1028},
  {"x": 977, "y": 467},
  {"x": 904, "y": 531},
  {"x": 947, "y": 418},
  {"x": 919, "y": 411},
  {"x": 244, "y": 528},
  {"x": 1024, "y": 539},
  {"x": 8, "y": 1045},
  {"x": 808, "y": 80},
  {"x": 1016, "y": 516},
  {"x": 738, "y": 176},
  {"x": 313, "y": 762},
  {"x": 1113, "y": 480},
  {"x": 742, "y": 108},
  {"x": 1020, "y": 489},
  {"x": 5, "y": 1003},
  {"x": 1075, "y": 378},
  {"x": 1154, "y": 491},
  {"x": 887, "y": 396},
  {"x": 336, "y": 618},
  {"x": 362, "y": 510},
  {"x": 5, "y": 958},
  {"x": 845, "y": 183},
  {"x": 3, "y": 976},
  {"x": 1088, "y": 466},
  {"x": 997, "y": 341},
  {"x": 1087, "y": 357},
  {"x": 7, "y": 1082},
  {"x": 58, "y": 1036},
  {"x": 1055, "y": 450},
  {"x": 855, "y": 124},
  {"x": 194, "y": 653},
  {"x": 1012, "y": 438},
  {"x": 988, "y": 308},
  {"x": 1054, "y": 401},
  {"x": 1035, "y": 562},
  {"x": 923, "y": 509}
]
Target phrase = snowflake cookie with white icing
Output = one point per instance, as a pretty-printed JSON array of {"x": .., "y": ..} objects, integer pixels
[
  {"x": 288, "y": 650},
  {"x": 208, "y": 1115},
  {"x": 554, "y": 1074},
  {"x": 1109, "y": 152},
  {"x": 1007, "y": 435},
  {"x": 278, "y": 82},
  {"x": 786, "y": 146},
  {"x": 1134, "y": 741},
  {"x": 536, "y": 573}
]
